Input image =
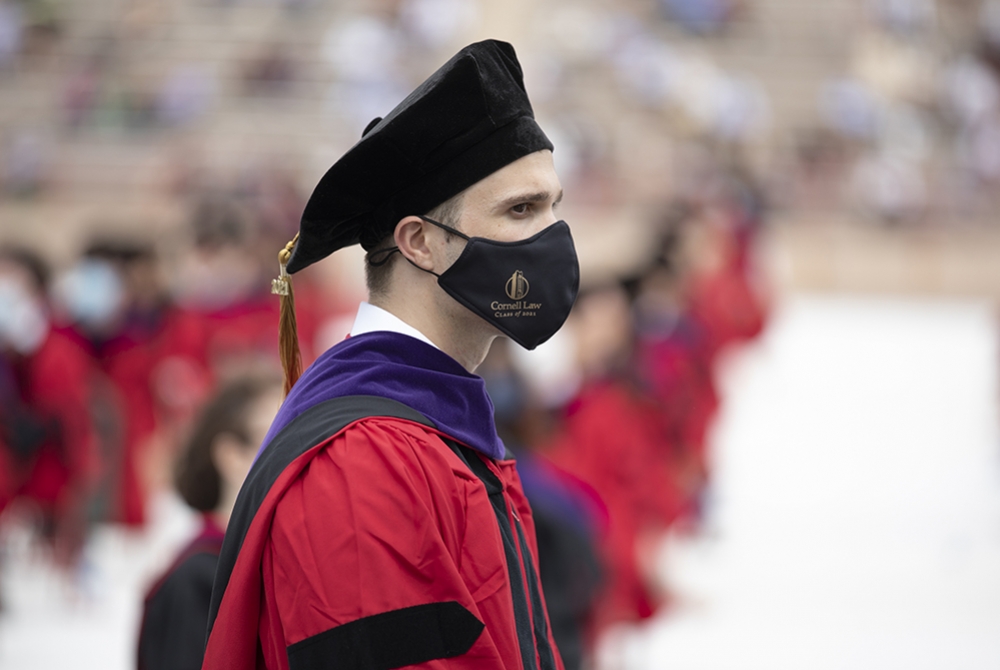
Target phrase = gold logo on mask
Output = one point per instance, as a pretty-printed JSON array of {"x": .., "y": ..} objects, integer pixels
[{"x": 517, "y": 286}]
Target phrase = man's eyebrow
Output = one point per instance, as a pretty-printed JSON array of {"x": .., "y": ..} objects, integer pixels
[{"x": 540, "y": 196}]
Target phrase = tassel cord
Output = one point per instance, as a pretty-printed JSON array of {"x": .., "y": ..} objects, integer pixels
[{"x": 288, "y": 335}]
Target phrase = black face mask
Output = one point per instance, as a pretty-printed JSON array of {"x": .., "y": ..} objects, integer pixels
[{"x": 525, "y": 288}]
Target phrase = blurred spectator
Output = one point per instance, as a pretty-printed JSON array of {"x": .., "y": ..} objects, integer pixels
[
  {"x": 271, "y": 193},
  {"x": 850, "y": 108},
  {"x": 720, "y": 291},
  {"x": 437, "y": 23},
  {"x": 270, "y": 73},
  {"x": 11, "y": 31},
  {"x": 227, "y": 320},
  {"x": 221, "y": 285},
  {"x": 980, "y": 150},
  {"x": 906, "y": 17},
  {"x": 88, "y": 302},
  {"x": 80, "y": 95},
  {"x": 702, "y": 17},
  {"x": 209, "y": 475},
  {"x": 44, "y": 24},
  {"x": 185, "y": 96},
  {"x": 972, "y": 95},
  {"x": 989, "y": 22},
  {"x": 24, "y": 168},
  {"x": 697, "y": 297},
  {"x": 218, "y": 271},
  {"x": 366, "y": 56},
  {"x": 890, "y": 187},
  {"x": 971, "y": 90}
]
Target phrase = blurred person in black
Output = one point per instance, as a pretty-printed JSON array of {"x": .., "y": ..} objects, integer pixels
[{"x": 209, "y": 474}]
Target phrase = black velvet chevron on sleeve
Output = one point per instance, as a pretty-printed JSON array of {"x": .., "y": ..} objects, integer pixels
[{"x": 390, "y": 640}]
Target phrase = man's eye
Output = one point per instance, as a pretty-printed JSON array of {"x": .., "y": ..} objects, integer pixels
[{"x": 520, "y": 209}]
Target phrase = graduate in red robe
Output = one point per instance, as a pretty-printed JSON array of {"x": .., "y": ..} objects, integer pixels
[
  {"x": 613, "y": 438},
  {"x": 694, "y": 298},
  {"x": 46, "y": 432},
  {"x": 92, "y": 305},
  {"x": 222, "y": 292},
  {"x": 384, "y": 524}
]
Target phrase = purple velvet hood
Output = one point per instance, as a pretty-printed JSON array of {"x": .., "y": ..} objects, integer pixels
[{"x": 404, "y": 369}]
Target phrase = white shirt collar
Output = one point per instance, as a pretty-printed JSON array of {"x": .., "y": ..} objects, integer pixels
[{"x": 371, "y": 318}]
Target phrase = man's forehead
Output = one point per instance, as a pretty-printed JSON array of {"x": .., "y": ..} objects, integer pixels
[{"x": 532, "y": 177}]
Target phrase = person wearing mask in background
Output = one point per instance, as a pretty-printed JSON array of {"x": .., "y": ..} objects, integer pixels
[
  {"x": 48, "y": 447},
  {"x": 87, "y": 301},
  {"x": 131, "y": 360},
  {"x": 383, "y": 524},
  {"x": 113, "y": 303},
  {"x": 209, "y": 474},
  {"x": 612, "y": 438}
]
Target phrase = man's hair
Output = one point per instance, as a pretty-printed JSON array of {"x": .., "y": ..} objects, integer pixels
[{"x": 377, "y": 276}]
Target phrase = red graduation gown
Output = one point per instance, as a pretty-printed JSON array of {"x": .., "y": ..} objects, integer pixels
[
  {"x": 373, "y": 542},
  {"x": 726, "y": 303},
  {"x": 55, "y": 386},
  {"x": 612, "y": 439}
]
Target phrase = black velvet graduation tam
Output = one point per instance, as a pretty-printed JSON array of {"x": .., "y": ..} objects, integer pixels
[{"x": 468, "y": 120}]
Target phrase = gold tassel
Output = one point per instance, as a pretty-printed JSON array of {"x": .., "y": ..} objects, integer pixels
[{"x": 288, "y": 333}]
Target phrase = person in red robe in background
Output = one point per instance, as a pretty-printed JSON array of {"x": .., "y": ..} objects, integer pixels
[
  {"x": 113, "y": 305},
  {"x": 131, "y": 361},
  {"x": 209, "y": 473},
  {"x": 613, "y": 439},
  {"x": 724, "y": 292},
  {"x": 214, "y": 323},
  {"x": 695, "y": 298},
  {"x": 161, "y": 359},
  {"x": 48, "y": 447},
  {"x": 673, "y": 359},
  {"x": 222, "y": 286},
  {"x": 721, "y": 293}
]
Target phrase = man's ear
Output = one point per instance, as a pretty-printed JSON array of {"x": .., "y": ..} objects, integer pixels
[{"x": 414, "y": 243}]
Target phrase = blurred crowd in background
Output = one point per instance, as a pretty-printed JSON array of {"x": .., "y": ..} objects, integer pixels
[
  {"x": 106, "y": 368},
  {"x": 890, "y": 108},
  {"x": 155, "y": 156}
]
